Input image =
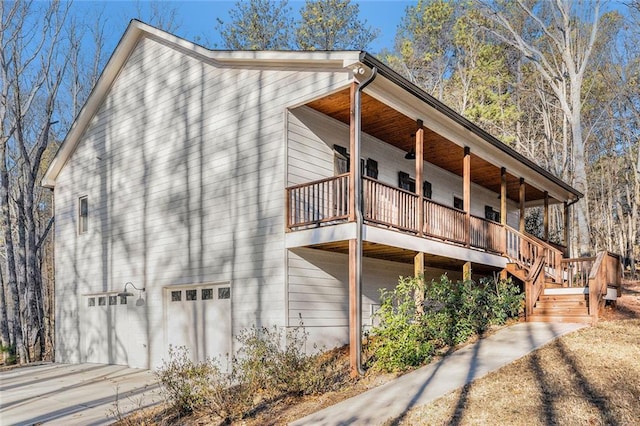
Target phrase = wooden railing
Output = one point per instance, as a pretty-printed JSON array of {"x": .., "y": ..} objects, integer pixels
[
  {"x": 534, "y": 285},
  {"x": 525, "y": 249},
  {"x": 444, "y": 222},
  {"x": 606, "y": 272},
  {"x": 317, "y": 202},
  {"x": 576, "y": 271},
  {"x": 487, "y": 235},
  {"x": 389, "y": 206}
]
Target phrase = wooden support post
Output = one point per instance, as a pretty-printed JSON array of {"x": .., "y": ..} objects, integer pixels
[
  {"x": 522, "y": 200},
  {"x": 420, "y": 175},
  {"x": 503, "y": 196},
  {"x": 353, "y": 161},
  {"x": 466, "y": 271},
  {"x": 353, "y": 310},
  {"x": 567, "y": 221},
  {"x": 418, "y": 268},
  {"x": 546, "y": 216},
  {"x": 466, "y": 192}
]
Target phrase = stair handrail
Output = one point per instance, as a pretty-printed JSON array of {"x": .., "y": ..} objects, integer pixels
[
  {"x": 534, "y": 284},
  {"x": 552, "y": 255}
]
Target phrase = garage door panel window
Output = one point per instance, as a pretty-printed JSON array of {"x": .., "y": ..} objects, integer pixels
[
  {"x": 207, "y": 294},
  {"x": 192, "y": 294},
  {"x": 91, "y": 301},
  {"x": 176, "y": 296},
  {"x": 102, "y": 300},
  {"x": 224, "y": 293}
]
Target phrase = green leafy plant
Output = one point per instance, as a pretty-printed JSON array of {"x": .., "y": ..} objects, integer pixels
[{"x": 453, "y": 312}]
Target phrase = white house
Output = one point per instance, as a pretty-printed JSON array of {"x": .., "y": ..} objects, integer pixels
[{"x": 222, "y": 186}]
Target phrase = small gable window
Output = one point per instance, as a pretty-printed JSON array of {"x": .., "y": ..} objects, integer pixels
[{"x": 83, "y": 215}]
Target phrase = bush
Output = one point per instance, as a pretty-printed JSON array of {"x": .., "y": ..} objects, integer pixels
[
  {"x": 270, "y": 364},
  {"x": 401, "y": 340},
  {"x": 453, "y": 312}
]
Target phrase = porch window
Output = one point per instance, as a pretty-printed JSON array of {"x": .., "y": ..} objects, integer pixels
[
  {"x": 458, "y": 203},
  {"x": 426, "y": 189},
  {"x": 341, "y": 159},
  {"x": 371, "y": 169},
  {"x": 491, "y": 214},
  {"x": 406, "y": 182}
]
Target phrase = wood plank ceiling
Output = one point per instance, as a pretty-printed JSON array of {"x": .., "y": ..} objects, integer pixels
[{"x": 387, "y": 124}]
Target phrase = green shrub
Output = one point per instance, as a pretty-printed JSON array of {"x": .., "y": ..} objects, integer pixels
[
  {"x": 453, "y": 312},
  {"x": 401, "y": 340}
]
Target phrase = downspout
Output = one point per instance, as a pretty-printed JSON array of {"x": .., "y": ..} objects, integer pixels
[{"x": 359, "y": 216}]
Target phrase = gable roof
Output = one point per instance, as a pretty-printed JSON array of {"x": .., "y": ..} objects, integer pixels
[
  {"x": 271, "y": 59},
  {"x": 220, "y": 58}
]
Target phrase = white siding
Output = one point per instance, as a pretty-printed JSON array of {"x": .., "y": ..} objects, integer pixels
[
  {"x": 319, "y": 296},
  {"x": 310, "y": 149},
  {"x": 183, "y": 166}
]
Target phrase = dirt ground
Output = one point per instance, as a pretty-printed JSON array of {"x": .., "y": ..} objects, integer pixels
[{"x": 627, "y": 306}]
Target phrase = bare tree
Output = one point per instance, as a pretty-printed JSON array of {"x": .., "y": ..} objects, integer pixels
[{"x": 559, "y": 45}]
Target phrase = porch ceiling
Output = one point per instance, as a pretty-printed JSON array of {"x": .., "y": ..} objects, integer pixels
[
  {"x": 387, "y": 124},
  {"x": 397, "y": 254}
]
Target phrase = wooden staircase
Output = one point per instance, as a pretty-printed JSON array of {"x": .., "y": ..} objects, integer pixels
[{"x": 557, "y": 289}]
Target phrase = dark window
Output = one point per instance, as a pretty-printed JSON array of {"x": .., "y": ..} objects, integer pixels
[
  {"x": 113, "y": 300},
  {"x": 192, "y": 294},
  {"x": 426, "y": 189},
  {"x": 406, "y": 182},
  {"x": 176, "y": 296},
  {"x": 207, "y": 293},
  {"x": 371, "y": 169},
  {"x": 341, "y": 159},
  {"x": 458, "y": 203},
  {"x": 224, "y": 293},
  {"x": 92, "y": 301},
  {"x": 491, "y": 214},
  {"x": 123, "y": 300},
  {"x": 83, "y": 215},
  {"x": 102, "y": 300}
]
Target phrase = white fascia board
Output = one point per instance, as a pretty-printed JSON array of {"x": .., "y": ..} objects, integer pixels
[
  {"x": 409, "y": 242},
  {"x": 392, "y": 95},
  {"x": 320, "y": 235}
]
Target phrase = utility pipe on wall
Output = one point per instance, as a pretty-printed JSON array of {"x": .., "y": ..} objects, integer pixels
[{"x": 359, "y": 215}]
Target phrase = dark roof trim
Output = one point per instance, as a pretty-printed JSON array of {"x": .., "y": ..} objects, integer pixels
[{"x": 396, "y": 78}]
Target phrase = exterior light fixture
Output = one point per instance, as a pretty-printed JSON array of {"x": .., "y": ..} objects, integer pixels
[
  {"x": 126, "y": 293},
  {"x": 411, "y": 155}
]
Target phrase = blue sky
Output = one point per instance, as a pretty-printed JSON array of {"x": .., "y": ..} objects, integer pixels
[{"x": 198, "y": 18}]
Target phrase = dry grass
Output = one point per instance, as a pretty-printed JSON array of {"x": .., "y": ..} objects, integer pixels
[{"x": 589, "y": 377}]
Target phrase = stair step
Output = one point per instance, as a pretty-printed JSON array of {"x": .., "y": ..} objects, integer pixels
[
  {"x": 561, "y": 311},
  {"x": 583, "y": 319},
  {"x": 566, "y": 291},
  {"x": 561, "y": 304},
  {"x": 563, "y": 298}
]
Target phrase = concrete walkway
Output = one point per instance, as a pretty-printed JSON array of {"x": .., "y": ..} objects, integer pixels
[
  {"x": 390, "y": 401},
  {"x": 73, "y": 394}
]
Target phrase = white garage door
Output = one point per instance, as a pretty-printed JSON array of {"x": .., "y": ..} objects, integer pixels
[
  {"x": 199, "y": 317},
  {"x": 104, "y": 322}
]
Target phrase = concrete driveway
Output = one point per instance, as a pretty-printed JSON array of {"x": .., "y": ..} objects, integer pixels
[{"x": 72, "y": 394}]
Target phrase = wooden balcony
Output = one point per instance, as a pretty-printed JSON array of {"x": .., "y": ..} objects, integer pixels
[{"x": 326, "y": 201}]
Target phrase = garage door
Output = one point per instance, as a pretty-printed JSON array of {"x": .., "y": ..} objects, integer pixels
[
  {"x": 199, "y": 318},
  {"x": 104, "y": 322}
]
